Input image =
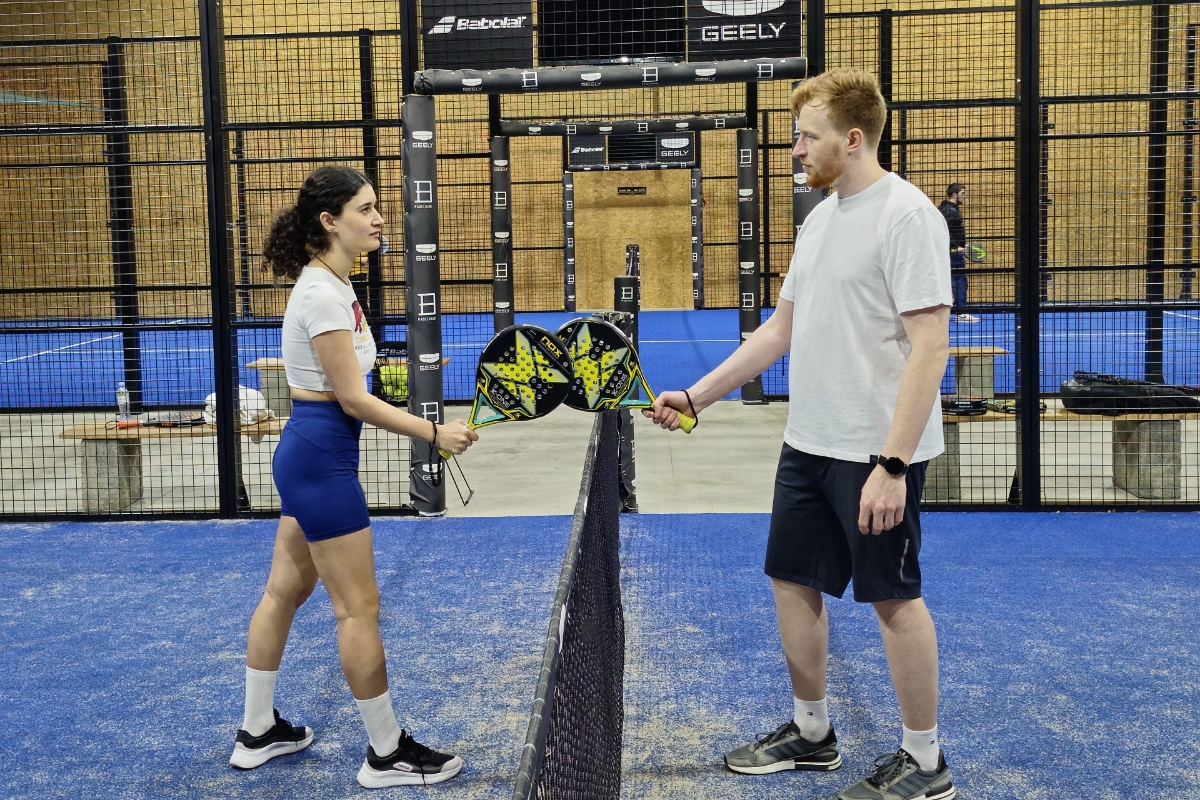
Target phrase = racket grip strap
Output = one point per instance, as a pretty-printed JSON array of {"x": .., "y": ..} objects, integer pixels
[{"x": 686, "y": 423}]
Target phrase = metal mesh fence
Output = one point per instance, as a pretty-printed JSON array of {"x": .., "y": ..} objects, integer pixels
[
  {"x": 108, "y": 258},
  {"x": 105, "y": 259},
  {"x": 1119, "y": 92}
]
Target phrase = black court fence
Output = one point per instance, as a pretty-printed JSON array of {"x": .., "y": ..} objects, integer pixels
[{"x": 145, "y": 148}]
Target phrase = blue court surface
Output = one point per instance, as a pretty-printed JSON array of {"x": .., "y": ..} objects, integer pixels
[
  {"x": 1068, "y": 641},
  {"x": 676, "y": 348}
]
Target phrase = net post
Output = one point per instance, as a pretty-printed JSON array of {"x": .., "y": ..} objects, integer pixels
[
  {"x": 568, "y": 184},
  {"x": 749, "y": 267},
  {"x": 697, "y": 234},
  {"x": 627, "y": 299},
  {"x": 422, "y": 269},
  {"x": 502, "y": 285}
]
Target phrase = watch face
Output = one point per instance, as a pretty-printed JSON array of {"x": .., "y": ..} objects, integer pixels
[{"x": 893, "y": 465}]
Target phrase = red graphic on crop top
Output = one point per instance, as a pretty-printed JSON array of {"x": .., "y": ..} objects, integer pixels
[{"x": 360, "y": 322}]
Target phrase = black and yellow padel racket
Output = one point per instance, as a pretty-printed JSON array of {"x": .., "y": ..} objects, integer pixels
[
  {"x": 524, "y": 373},
  {"x": 607, "y": 370}
]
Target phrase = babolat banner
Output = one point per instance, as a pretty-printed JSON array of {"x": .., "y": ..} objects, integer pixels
[
  {"x": 744, "y": 28},
  {"x": 586, "y": 149},
  {"x": 472, "y": 34}
]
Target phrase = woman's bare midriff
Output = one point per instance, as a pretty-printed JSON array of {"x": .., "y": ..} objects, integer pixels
[{"x": 309, "y": 394}]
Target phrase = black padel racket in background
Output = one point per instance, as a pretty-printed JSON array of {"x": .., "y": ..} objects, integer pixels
[
  {"x": 524, "y": 373},
  {"x": 607, "y": 371}
]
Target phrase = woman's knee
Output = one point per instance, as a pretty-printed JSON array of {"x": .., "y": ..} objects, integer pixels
[
  {"x": 292, "y": 592},
  {"x": 362, "y": 605}
]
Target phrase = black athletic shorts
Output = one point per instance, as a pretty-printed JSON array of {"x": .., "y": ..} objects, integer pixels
[{"x": 814, "y": 539}]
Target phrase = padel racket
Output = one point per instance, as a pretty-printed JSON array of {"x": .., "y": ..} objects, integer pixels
[
  {"x": 524, "y": 373},
  {"x": 607, "y": 370},
  {"x": 975, "y": 252}
]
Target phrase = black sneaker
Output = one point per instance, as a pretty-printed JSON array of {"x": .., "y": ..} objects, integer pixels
[
  {"x": 411, "y": 763},
  {"x": 785, "y": 748},
  {"x": 283, "y": 738},
  {"x": 898, "y": 777}
]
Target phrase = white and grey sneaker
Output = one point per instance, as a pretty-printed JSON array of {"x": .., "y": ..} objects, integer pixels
[
  {"x": 784, "y": 748},
  {"x": 411, "y": 763},
  {"x": 898, "y": 777},
  {"x": 283, "y": 738}
]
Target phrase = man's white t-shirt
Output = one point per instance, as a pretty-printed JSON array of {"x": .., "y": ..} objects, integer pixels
[
  {"x": 320, "y": 303},
  {"x": 860, "y": 263}
]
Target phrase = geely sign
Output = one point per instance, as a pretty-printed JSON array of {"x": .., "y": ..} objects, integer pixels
[{"x": 723, "y": 29}]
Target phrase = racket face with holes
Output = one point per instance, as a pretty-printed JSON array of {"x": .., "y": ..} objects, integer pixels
[
  {"x": 524, "y": 373},
  {"x": 607, "y": 371}
]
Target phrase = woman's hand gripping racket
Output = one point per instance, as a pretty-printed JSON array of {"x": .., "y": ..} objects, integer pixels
[
  {"x": 524, "y": 373},
  {"x": 607, "y": 371}
]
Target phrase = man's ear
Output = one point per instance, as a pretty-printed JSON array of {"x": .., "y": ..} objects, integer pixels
[{"x": 855, "y": 139}]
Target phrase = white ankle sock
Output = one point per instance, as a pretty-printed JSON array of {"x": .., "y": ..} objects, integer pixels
[
  {"x": 259, "y": 716},
  {"x": 380, "y": 721},
  {"x": 812, "y": 718},
  {"x": 922, "y": 746}
]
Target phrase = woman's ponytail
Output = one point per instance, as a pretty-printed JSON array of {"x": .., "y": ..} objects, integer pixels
[{"x": 284, "y": 251}]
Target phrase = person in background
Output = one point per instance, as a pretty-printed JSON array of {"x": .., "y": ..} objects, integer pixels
[{"x": 951, "y": 209}]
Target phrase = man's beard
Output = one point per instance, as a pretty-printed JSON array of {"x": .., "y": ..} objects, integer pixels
[{"x": 826, "y": 177}]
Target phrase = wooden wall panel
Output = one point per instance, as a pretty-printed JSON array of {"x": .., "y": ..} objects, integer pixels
[{"x": 659, "y": 222}]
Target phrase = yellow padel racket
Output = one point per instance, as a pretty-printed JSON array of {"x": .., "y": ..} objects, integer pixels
[
  {"x": 524, "y": 373},
  {"x": 607, "y": 371}
]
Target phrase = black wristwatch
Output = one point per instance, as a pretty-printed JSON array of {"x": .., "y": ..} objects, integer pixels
[{"x": 894, "y": 466}]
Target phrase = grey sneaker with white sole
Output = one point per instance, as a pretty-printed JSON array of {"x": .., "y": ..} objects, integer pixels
[
  {"x": 784, "y": 748},
  {"x": 897, "y": 776}
]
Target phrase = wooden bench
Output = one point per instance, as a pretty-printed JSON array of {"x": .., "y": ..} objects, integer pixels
[
  {"x": 112, "y": 458},
  {"x": 974, "y": 370},
  {"x": 1147, "y": 450}
]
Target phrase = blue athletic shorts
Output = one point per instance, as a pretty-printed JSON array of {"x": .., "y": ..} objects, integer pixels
[
  {"x": 316, "y": 471},
  {"x": 815, "y": 541}
]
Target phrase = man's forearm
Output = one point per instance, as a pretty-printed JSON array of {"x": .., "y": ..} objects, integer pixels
[
  {"x": 920, "y": 386},
  {"x": 766, "y": 346}
]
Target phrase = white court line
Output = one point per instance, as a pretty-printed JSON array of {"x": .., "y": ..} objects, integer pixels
[
  {"x": 80, "y": 344},
  {"x": 1185, "y": 316},
  {"x": 64, "y": 347}
]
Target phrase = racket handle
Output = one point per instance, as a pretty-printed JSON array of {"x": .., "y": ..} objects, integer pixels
[
  {"x": 446, "y": 454},
  {"x": 686, "y": 423}
]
